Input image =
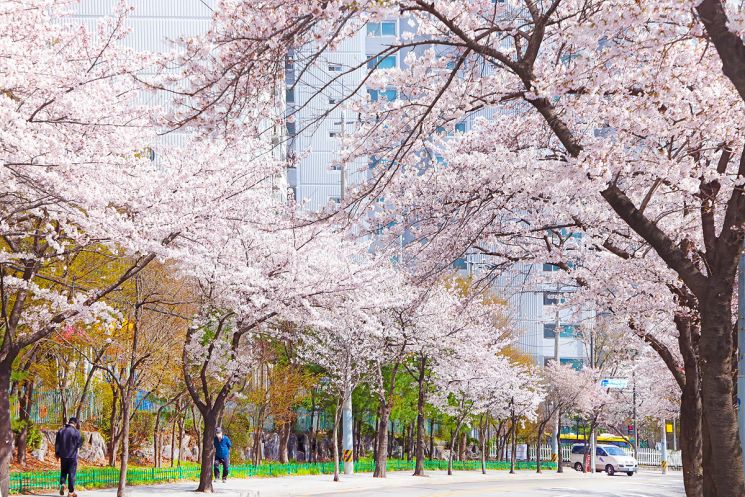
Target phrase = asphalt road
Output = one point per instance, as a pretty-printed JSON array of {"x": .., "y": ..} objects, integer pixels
[
  {"x": 437, "y": 484},
  {"x": 523, "y": 485}
]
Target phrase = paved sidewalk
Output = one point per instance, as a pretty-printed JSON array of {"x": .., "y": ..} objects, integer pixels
[{"x": 471, "y": 483}]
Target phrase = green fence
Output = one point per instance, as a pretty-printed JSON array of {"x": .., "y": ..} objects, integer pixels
[{"x": 109, "y": 477}]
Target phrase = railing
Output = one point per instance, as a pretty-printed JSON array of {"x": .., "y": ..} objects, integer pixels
[
  {"x": 652, "y": 457},
  {"x": 109, "y": 477},
  {"x": 645, "y": 457}
]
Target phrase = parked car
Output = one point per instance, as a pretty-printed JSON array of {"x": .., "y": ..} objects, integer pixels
[{"x": 608, "y": 458}]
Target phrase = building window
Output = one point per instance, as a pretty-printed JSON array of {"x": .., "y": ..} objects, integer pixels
[
  {"x": 334, "y": 199},
  {"x": 380, "y": 62},
  {"x": 333, "y": 100},
  {"x": 552, "y": 298},
  {"x": 567, "y": 330},
  {"x": 460, "y": 263},
  {"x": 335, "y": 68},
  {"x": 554, "y": 267},
  {"x": 390, "y": 94},
  {"x": 290, "y": 95},
  {"x": 385, "y": 28},
  {"x": 334, "y": 134},
  {"x": 291, "y": 129},
  {"x": 575, "y": 363},
  {"x": 460, "y": 128}
]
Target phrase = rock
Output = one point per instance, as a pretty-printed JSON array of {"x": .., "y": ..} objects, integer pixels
[
  {"x": 41, "y": 452},
  {"x": 292, "y": 444},
  {"x": 271, "y": 446},
  {"x": 92, "y": 451},
  {"x": 303, "y": 443},
  {"x": 94, "y": 448},
  {"x": 143, "y": 454}
]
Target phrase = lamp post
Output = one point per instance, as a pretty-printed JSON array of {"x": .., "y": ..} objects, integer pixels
[
  {"x": 346, "y": 409},
  {"x": 555, "y": 449}
]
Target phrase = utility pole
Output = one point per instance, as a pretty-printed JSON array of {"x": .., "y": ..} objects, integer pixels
[
  {"x": 741, "y": 348},
  {"x": 555, "y": 449},
  {"x": 346, "y": 409},
  {"x": 663, "y": 447},
  {"x": 343, "y": 169},
  {"x": 633, "y": 420},
  {"x": 593, "y": 446}
]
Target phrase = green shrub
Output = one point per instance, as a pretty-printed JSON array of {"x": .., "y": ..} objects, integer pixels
[{"x": 33, "y": 437}]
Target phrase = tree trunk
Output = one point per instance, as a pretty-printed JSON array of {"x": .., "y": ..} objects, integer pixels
[
  {"x": 197, "y": 432},
  {"x": 691, "y": 437},
  {"x": 462, "y": 446},
  {"x": 284, "y": 440},
  {"x": 513, "y": 449},
  {"x": 113, "y": 422},
  {"x": 453, "y": 437},
  {"x": 257, "y": 452},
  {"x": 358, "y": 440},
  {"x": 25, "y": 401},
  {"x": 125, "y": 445},
  {"x": 541, "y": 429},
  {"x": 375, "y": 440},
  {"x": 719, "y": 415},
  {"x": 483, "y": 429},
  {"x": 559, "y": 462},
  {"x": 391, "y": 440},
  {"x": 157, "y": 438},
  {"x": 208, "y": 451},
  {"x": 381, "y": 455},
  {"x": 6, "y": 435},
  {"x": 335, "y": 436},
  {"x": 258, "y": 432},
  {"x": 691, "y": 443},
  {"x": 181, "y": 423},
  {"x": 431, "y": 439},
  {"x": 310, "y": 449},
  {"x": 173, "y": 441}
]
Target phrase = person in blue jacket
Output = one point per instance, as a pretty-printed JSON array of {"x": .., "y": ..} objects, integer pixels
[
  {"x": 66, "y": 445},
  {"x": 222, "y": 454}
]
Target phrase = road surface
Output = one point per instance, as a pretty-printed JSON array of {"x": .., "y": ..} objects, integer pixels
[{"x": 436, "y": 484}]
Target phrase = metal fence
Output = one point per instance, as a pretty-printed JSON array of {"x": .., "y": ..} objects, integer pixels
[
  {"x": 645, "y": 457},
  {"x": 109, "y": 477}
]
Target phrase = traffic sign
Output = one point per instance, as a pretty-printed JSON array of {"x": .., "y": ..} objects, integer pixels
[{"x": 614, "y": 382}]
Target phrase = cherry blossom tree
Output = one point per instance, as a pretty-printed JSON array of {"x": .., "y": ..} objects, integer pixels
[
  {"x": 258, "y": 274},
  {"x": 345, "y": 339},
  {"x": 565, "y": 388},
  {"x": 80, "y": 186},
  {"x": 580, "y": 121}
]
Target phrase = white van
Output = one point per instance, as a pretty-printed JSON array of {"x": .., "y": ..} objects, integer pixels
[{"x": 608, "y": 458}]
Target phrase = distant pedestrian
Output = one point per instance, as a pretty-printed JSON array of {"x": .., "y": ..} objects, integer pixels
[
  {"x": 66, "y": 445},
  {"x": 222, "y": 454}
]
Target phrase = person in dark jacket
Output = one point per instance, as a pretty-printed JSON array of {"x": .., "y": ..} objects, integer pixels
[
  {"x": 66, "y": 445},
  {"x": 222, "y": 454}
]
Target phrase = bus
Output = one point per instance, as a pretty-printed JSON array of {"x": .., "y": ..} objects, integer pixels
[{"x": 603, "y": 438}]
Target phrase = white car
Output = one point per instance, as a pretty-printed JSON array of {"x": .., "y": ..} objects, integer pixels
[{"x": 608, "y": 458}]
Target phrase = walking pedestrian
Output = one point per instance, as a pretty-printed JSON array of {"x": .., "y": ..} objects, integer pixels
[
  {"x": 222, "y": 453},
  {"x": 66, "y": 445}
]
